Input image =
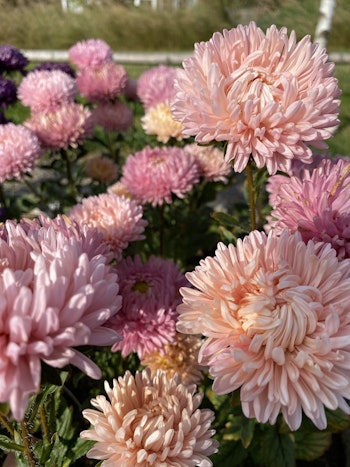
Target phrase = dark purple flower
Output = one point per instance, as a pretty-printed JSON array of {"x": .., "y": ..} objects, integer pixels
[
  {"x": 12, "y": 59},
  {"x": 8, "y": 92},
  {"x": 63, "y": 66},
  {"x": 3, "y": 120}
]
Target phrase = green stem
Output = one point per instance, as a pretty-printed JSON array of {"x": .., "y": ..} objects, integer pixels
[
  {"x": 28, "y": 448},
  {"x": 7, "y": 425},
  {"x": 161, "y": 229},
  {"x": 44, "y": 424},
  {"x": 72, "y": 187},
  {"x": 251, "y": 194},
  {"x": 35, "y": 192}
]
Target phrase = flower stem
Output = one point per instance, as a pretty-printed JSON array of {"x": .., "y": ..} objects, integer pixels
[
  {"x": 72, "y": 187},
  {"x": 161, "y": 229},
  {"x": 28, "y": 448},
  {"x": 6, "y": 424},
  {"x": 44, "y": 424},
  {"x": 251, "y": 194}
]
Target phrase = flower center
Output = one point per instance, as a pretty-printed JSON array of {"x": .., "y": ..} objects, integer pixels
[{"x": 141, "y": 286}]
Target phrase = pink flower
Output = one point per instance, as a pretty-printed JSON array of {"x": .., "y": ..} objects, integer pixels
[
  {"x": 67, "y": 126},
  {"x": 150, "y": 294},
  {"x": 154, "y": 174},
  {"x": 317, "y": 205},
  {"x": 90, "y": 53},
  {"x": 150, "y": 421},
  {"x": 159, "y": 121},
  {"x": 103, "y": 83},
  {"x": 275, "y": 314},
  {"x": 210, "y": 160},
  {"x": 119, "y": 219},
  {"x": 54, "y": 297},
  {"x": 101, "y": 168},
  {"x": 113, "y": 116},
  {"x": 47, "y": 90},
  {"x": 156, "y": 85},
  {"x": 19, "y": 150},
  {"x": 267, "y": 95}
]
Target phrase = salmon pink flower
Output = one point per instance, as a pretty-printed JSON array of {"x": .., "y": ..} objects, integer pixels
[{"x": 156, "y": 85}]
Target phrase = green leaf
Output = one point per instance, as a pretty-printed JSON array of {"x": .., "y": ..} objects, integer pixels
[
  {"x": 230, "y": 454},
  {"x": 224, "y": 219},
  {"x": 311, "y": 445},
  {"x": 8, "y": 445},
  {"x": 270, "y": 447},
  {"x": 81, "y": 447},
  {"x": 337, "y": 420}
]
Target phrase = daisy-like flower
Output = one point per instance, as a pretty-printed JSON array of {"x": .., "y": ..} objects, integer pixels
[
  {"x": 90, "y": 53},
  {"x": 8, "y": 92},
  {"x": 150, "y": 294},
  {"x": 158, "y": 120},
  {"x": 153, "y": 175},
  {"x": 275, "y": 314},
  {"x": 67, "y": 126},
  {"x": 178, "y": 357},
  {"x": 267, "y": 95},
  {"x": 156, "y": 85},
  {"x": 317, "y": 205},
  {"x": 150, "y": 420},
  {"x": 118, "y": 188},
  {"x": 113, "y": 116},
  {"x": 54, "y": 297},
  {"x": 101, "y": 168},
  {"x": 103, "y": 83},
  {"x": 12, "y": 59},
  {"x": 19, "y": 150},
  {"x": 46, "y": 90},
  {"x": 211, "y": 162},
  {"x": 118, "y": 218}
]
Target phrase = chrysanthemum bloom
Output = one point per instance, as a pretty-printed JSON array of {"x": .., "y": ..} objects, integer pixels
[
  {"x": 154, "y": 174},
  {"x": 62, "y": 66},
  {"x": 150, "y": 294},
  {"x": 211, "y": 162},
  {"x": 267, "y": 95},
  {"x": 179, "y": 357},
  {"x": 8, "y": 92},
  {"x": 103, "y": 83},
  {"x": 67, "y": 126},
  {"x": 90, "y": 53},
  {"x": 158, "y": 120},
  {"x": 317, "y": 205},
  {"x": 19, "y": 150},
  {"x": 118, "y": 218},
  {"x": 150, "y": 420},
  {"x": 113, "y": 116},
  {"x": 46, "y": 90},
  {"x": 275, "y": 312},
  {"x": 54, "y": 298},
  {"x": 12, "y": 59},
  {"x": 101, "y": 168},
  {"x": 156, "y": 85}
]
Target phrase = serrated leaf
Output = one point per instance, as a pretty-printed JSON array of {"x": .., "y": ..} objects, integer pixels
[
  {"x": 311, "y": 445},
  {"x": 270, "y": 447},
  {"x": 8, "y": 445},
  {"x": 240, "y": 428},
  {"x": 230, "y": 454}
]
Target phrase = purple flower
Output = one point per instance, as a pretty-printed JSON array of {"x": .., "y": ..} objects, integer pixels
[
  {"x": 62, "y": 66},
  {"x": 8, "y": 92},
  {"x": 12, "y": 59}
]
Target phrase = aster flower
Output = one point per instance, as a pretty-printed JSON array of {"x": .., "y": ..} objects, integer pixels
[
  {"x": 118, "y": 188},
  {"x": 50, "y": 66},
  {"x": 101, "y": 168},
  {"x": 210, "y": 160},
  {"x": 90, "y": 53},
  {"x": 113, "y": 116},
  {"x": 118, "y": 218},
  {"x": 156, "y": 85},
  {"x": 150, "y": 421},
  {"x": 47, "y": 90},
  {"x": 54, "y": 298},
  {"x": 159, "y": 121},
  {"x": 8, "y": 92},
  {"x": 316, "y": 204},
  {"x": 267, "y": 95},
  {"x": 12, "y": 59},
  {"x": 19, "y": 150},
  {"x": 276, "y": 328},
  {"x": 103, "y": 83},
  {"x": 154, "y": 174},
  {"x": 67, "y": 126},
  {"x": 150, "y": 294}
]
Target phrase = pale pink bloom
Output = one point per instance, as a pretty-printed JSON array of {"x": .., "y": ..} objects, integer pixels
[
  {"x": 317, "y": 205},
  {"x": 68, "y": 126},
  {"x": 90, "y": 53},
  {"x": 54, "y": 297},
  {"x": 101, "y": 168},
  {"x": 275, "y": 312},
  {"x": 156, "y": 85},
  {"x": 159, "y": 121},
  {"x": 113, "y": 116},
  {"x": 46, "y": 90},
  {"x": 118, "y": 218},
  {"x": 19, "y": 150},
  {"x": 211, "y": 162},
  {"x": 153, "y": 175},
  {"x": 267, "y": 95},
  {"x": 150, "y": 292},
  {"x": 150, "y": 420},
  {"x": 118, "y": 188},
  {"x": 102, "y": 84}
]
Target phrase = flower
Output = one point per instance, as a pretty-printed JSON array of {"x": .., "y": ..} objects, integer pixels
[
  {"x": 47, "y": 90},
  {"x": 158, "y": 121},
  {"x": 49, "y": 66},
  {"x": 102, "y": 169},
  {"x": 12, "y": 59},
  {"x": 118, "y": 218},
  {"x": 103, "y": 83},
  {"x": 8, "y": 92},
  {"x": 19, "y": 150},
  {"x": 211, "y": 162},
  {"x": 67, "y": 126},
  {"x": 178, "y": 357},
  {"x": 150, "y": 421},
  {"x": 154, "y": 174},
  {"x": 156, "y": 85},
  {"x": 317, "y": 205},
  {"x": 267, "y": 95},
  {"x": 150, "y": 294},
  {"x": 54, "y": 297},
  {"x": 113, "y": 116},
  {"x": 275, "y": 314},
  {"x": 118, "y": 188},
  {"x": 90, "y": 53}
]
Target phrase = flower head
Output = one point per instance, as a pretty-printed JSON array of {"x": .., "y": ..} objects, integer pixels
[
  {"x": 267, "y": 95},
  {"x": 156, "y": 85},
  {"x": 8, "y": 92},
  {"x": 150, "y": 420},
  {"x": 154, "y": 174},
  {"x": 113, "y": 116},
  {"x": 211, "y": 162},
  {"x": 102, "y": 169},
  {"x": 275, "y": 314},
  {"x": 90, "y": 53},
  {"x": 12, "y": 59},
  {"x": 159, "y": 121},
  {"x": 50, "y": 66}
]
